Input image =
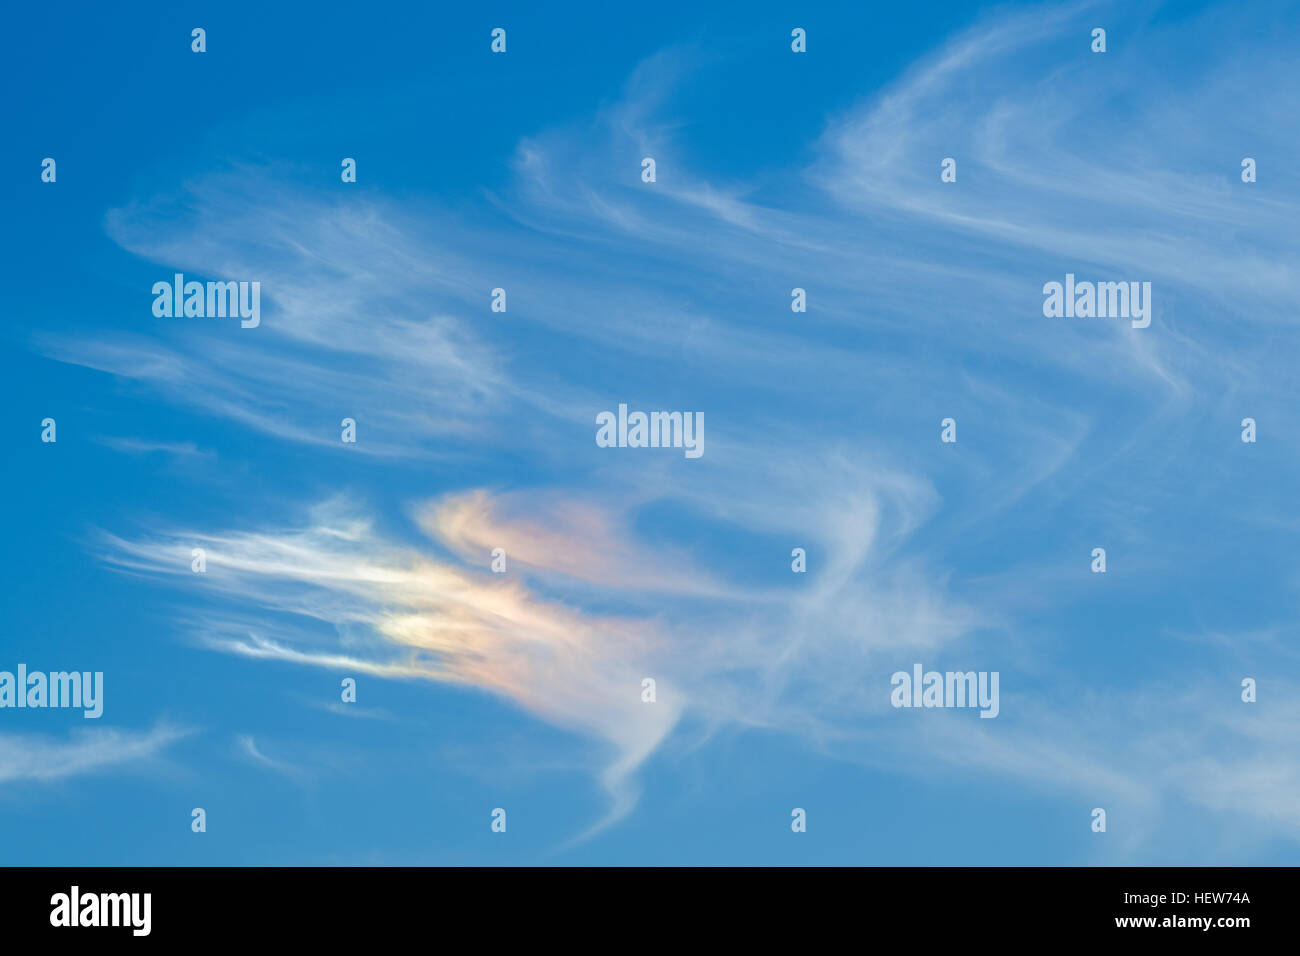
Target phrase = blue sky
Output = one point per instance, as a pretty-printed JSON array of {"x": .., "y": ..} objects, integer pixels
[{"x": 475, "y": 430}]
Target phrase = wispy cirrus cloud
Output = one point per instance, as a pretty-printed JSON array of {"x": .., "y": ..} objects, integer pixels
[
  {"x": 248, "y": 748},
  {"x": 140, "y": 446},
  {"x": 398, "y": 612},
  {"x": 46, "y": 758},
  {"x": 925, "y": 302},
  {"x": 814, "y": 664}
]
